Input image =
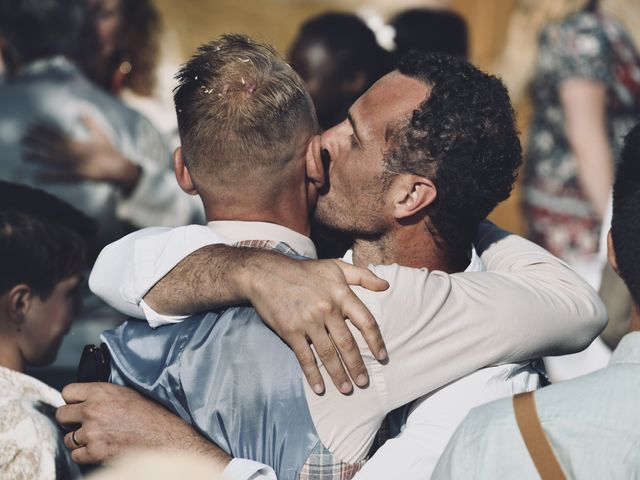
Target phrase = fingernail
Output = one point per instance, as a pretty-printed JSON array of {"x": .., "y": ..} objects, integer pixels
[
  {"x": 318, "y": 389},
  {"x": 345, "y": 387},
  {"x": 382, "y": 354},
  {"x": 362, "y": 380}
]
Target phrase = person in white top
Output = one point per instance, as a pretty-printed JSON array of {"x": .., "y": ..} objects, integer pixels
[
  {"x": 466, "y": 322},
  {"x": 44, "y": 244}
]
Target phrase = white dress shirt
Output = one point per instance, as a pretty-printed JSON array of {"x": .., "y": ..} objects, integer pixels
[
  {"x": 433, "y": 419},
  {"x": 437, "y": 327}
]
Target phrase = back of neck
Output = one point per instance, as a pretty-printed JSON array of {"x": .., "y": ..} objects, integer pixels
[
  {"x": 10, "y": 356},
  {"x": 287, "y": 209}
]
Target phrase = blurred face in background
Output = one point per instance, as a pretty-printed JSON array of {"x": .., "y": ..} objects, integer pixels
[
  {"x": 107, "y": 19},
  {"x": 313, "y": 61}
]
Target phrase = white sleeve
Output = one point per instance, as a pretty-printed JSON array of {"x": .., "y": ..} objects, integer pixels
[
  {"x": 127, "y": 269},
  {"x": 439, "y": 328},
  {"x": 242, "y": 469},
  {"x": 433, "y": 419}
]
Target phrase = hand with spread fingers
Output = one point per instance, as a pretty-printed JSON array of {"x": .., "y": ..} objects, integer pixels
[
  {"x": 312, "y": 308},
  {"x": 313, "y": 303},
  {"x": 107, "y": 420},
  {"x": 63, "y": 158}
]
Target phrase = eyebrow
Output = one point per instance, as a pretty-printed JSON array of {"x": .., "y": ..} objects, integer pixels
[{"x": 355, "y": 127}]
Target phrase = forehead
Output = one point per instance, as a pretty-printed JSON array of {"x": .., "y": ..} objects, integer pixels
[{"x": 391, "y": 98}]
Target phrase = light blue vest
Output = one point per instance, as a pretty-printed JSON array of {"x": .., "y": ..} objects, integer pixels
[{"x": 228, "y": 375}]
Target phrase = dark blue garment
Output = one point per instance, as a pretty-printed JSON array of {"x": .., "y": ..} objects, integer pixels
[{"x": 227, "y": 374}]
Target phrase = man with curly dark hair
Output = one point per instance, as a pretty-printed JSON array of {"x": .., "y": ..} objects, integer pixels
[{"x": 433, "y": 148}]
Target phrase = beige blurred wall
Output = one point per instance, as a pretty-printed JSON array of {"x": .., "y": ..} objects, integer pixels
[{"x": 191, "y": 22}]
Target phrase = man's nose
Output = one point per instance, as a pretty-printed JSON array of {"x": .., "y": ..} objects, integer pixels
[{"x": 330, "y": 140}]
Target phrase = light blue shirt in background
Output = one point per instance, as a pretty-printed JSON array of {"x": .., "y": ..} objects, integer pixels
[{"x": 592, "y": 422}]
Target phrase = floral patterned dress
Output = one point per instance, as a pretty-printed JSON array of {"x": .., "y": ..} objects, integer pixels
[{"x": 589, "y": 46}]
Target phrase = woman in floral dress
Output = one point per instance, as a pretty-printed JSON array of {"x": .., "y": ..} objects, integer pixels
[{"x": 582, "y": 71}]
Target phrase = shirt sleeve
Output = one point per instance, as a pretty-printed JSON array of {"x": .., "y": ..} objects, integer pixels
[
  {"x": 127, "y": 269},
  {"x": 439, "y": 327},
  {"x": 578, "y": 48},
  {"x": 433, "y": 419},
  {"x": 242, "y": 469}
]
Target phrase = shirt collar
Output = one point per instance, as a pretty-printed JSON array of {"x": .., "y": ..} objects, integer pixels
[
  {"x": 628, "y": 350},
  {"x": 236, "y": 231},
  {"x": 475, "y": 265}
]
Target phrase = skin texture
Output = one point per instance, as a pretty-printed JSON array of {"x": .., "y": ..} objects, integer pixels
[
  {"x": 354, "y": 201},
  {"x": 95, "y": 405},
  {"x": 32, "y": 328}
]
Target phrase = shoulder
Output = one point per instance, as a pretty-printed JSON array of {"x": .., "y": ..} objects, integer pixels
[
  {"x": 31, "y": 444},
  {"x": 581, "y": 32}
]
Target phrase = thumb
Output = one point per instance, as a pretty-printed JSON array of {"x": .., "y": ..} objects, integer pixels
[{"x": 362, "y": 277}]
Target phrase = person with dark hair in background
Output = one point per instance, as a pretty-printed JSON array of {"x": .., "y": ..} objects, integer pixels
[
  {"x": 338, "y": 57},
  {"x": 251, "y": 152},
  {"x": 591, "y": 424},
  {"x": 430, "y": 31},
  {"x": 121, "y": 45},
  {"x": 44, "y": 249}
]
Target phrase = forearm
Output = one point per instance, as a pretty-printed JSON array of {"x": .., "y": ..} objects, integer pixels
[
  {"x": 545, "y": 307},
  {"x": 215, "y": 276}
]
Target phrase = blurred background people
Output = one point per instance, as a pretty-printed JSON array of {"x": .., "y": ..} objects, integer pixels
[
  {"x": 119, "y": 50},
  {"x": 44, "y": 251},
  {"x": 62, "y": 133},
  {"x": 584, "y": 79},
  {"x": 338, "y": 58},
  {"x": 430, "y": 31}
]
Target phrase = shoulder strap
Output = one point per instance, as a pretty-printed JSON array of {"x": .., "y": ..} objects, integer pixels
[{"x": 524, "y": 406}]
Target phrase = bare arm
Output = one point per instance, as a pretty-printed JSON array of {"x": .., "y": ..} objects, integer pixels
[
  {"x": 584, "y": 106},
  {"x": 314, "y": 299}
]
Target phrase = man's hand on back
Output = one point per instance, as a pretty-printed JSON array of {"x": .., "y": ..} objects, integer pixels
[
  {"x": 304, "y": 302},
  {"x": 307, "y": 303},
  {"x": 111, "y": 420}
]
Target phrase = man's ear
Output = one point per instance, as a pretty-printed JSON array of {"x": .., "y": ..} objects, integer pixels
[
  {"x": 314, "y": 165},
  {"x": 20, "y": 299},
  {"x": 182, "y": 173},
  {"x": 611, "y": 253},
  {"x": 411, "y": 194}
]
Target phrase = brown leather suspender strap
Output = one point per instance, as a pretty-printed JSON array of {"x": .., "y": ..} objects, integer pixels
[{"x": 524, "y": 406}]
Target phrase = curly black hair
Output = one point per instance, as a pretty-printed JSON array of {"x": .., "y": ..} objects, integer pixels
[
  {"x": 625, "y": 223},
  {"x": 464, "y": 138}
]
